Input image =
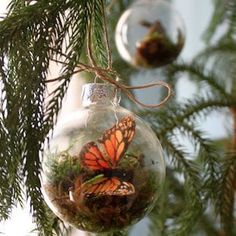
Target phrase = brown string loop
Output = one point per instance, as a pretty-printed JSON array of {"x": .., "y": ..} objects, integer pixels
[
  {"x": 159, "y": 84},
  {"x": 126, "y": 90}
]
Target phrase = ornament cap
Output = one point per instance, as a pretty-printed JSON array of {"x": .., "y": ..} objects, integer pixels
[{"x": 99, "y": 94}]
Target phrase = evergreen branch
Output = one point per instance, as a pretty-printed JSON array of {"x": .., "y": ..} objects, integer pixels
[
  {"x": 6, "y": 196},
  {"x": 226, "y": 190},
  {"x": 197, "y": 73},
  {"x": 222, "y": 48},
  {"x": 174, "y": 115},
  {"x": 221, "y": 58},
  {"x": 193, "y": 206},
  {"x": 216, "y": 20},
  {"x": 10, "y": 139},
  {"x": 208, "y": 156},
  {"x": 224, "y": 12},
  {"x": 192, "y": 211},
  {"x": 32, "y": 110},
  {"x": 7, "y": 201},
  {"x": 159, "y": 214},
  {"x": 25, "y": 19},
  {"x": 79, "y": 17},
  {"x": 193, "y": 134},
  {"x": 98, "y": 34},
  {"x": 77, "y": 23},
  {"x": 15, "y": 5},
  {"x": 208, "y": 226},
  {"x": 166, "y": 207},
  {"x": 189, "y": 168},
  {"x": 54, "y": 104},
  {"x": 231, "y": 17}
]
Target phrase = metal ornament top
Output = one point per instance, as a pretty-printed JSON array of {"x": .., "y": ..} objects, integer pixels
[{"x": 99, "y": 94}]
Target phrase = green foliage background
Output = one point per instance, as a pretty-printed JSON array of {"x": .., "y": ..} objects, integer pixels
[{"x": 34, "y": 32}]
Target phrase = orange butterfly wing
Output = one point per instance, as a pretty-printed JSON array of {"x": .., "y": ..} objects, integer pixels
[
  {"x": 108, "y": 186},
  {"x": 91, "y": 158},
  {"x": 116, "y": 140}
]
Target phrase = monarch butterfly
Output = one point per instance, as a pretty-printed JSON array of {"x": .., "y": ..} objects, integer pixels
[{"x": 114, "y": 143}]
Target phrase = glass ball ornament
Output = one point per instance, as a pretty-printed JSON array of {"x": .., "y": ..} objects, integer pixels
[
  {"x": 104, "y": 167},
  {"x": 150, "y": 34}
]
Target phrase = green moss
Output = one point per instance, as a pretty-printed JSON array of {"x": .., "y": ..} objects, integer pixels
[
  {"x": 61, "y": 167},
  {"x": 100, "y": 213}
]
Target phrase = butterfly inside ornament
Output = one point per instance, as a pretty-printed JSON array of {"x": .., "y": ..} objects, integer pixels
[{"x": 104, "y": 161}]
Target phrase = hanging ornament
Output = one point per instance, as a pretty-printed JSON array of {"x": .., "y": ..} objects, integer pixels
[
  {"x": 104, "y": 167},
  {"x": 150, "y": 34}
]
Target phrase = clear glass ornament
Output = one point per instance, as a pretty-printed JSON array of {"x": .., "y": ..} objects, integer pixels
[
  {"x": 104, "y": 167},
  {"x": 150, "y": 34}
]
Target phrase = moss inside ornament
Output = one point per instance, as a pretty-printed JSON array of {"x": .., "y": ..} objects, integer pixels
[
  {"x": 150, "y": 34},
  {"x": 104, "y": 169}
]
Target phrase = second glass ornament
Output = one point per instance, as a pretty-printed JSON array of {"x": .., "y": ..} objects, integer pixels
[{"x": 150, "y": 34}]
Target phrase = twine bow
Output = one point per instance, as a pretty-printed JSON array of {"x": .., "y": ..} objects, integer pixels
[{"x": 127, "y": 90}]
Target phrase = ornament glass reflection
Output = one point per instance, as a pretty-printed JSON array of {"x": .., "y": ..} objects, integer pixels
[
  {"x": 104, "y": 168},
  {"x": 150, "y": 34}
]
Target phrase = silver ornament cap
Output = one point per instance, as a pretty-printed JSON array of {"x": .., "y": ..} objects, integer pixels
[{"x": 99, "y": 94}]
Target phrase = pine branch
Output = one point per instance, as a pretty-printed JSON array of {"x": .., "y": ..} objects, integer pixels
[
  {"x": 225, "y": 48},
  {"x": 193, "y": 206},
  {"x": 6, "y": 193},
  {"x": 208, "y": 155},
  {"x": 173, "y": 115},
  {"x": 231, "y": 17},
  {"x": 208, "y": 226},
  {"x": 197, "y": 73},
  {"x": 161, "y": 211},
  {"x": 26, "y": 19},
  {"x": 189, "y": 168},
  {"x": 165, "y": 123},
  {"x": 226, "y": 190},
  {"x": 169, "y": 205},
  {"x": 10, "y": 151},
  {"x": 98, "y": 34},
  {"x": 193, "y": 210},
  {"x": 221, "y": 59},
  {"x": 32, "y": 116},
  {"x": 217, "y": 18}
]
